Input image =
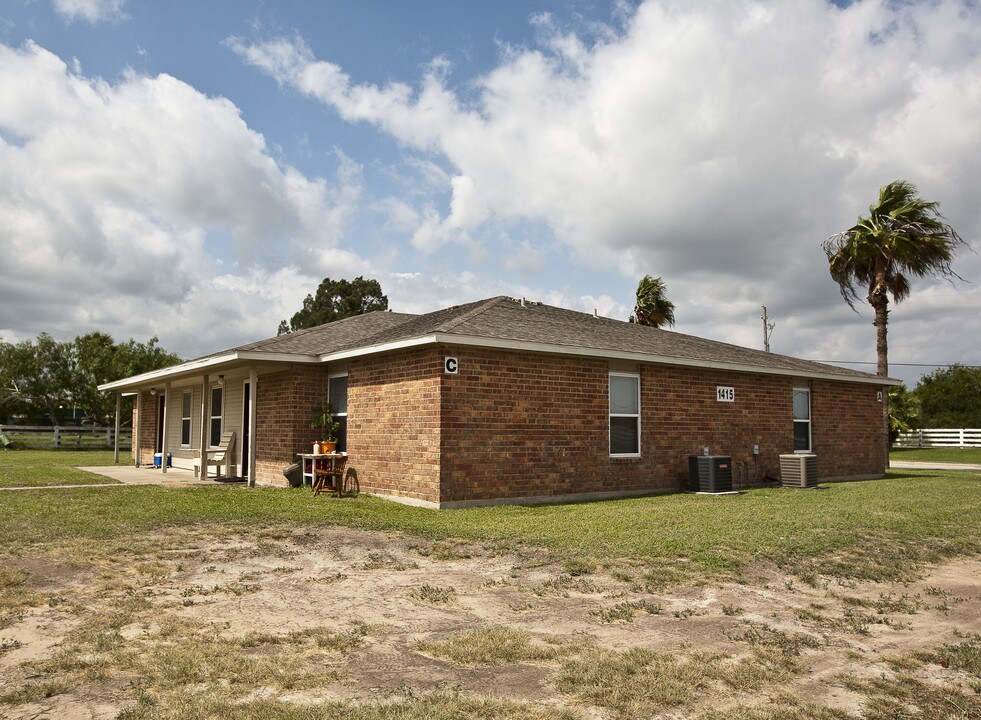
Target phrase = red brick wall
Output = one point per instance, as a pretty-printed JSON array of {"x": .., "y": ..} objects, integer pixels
[
  {"x": 847, "y": 432},
  {"x": 514, "y": 424},
  {"x": 393, "y": 424},
  {"x": 682, "y": 415},
  {"x": 531, "y": 425},
  {"x": 528, "y": 425},
  {"x": 285, "y": 405},
  {"x": 147, "y": 427}
]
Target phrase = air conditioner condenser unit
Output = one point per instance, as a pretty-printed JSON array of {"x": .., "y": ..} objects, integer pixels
[{"x": 798, "y": 470}]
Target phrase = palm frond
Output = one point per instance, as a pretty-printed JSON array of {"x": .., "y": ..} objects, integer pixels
[{"x": 903, "y": 235}]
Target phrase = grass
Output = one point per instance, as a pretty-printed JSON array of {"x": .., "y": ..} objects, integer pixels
[
  {"x": 944, "y": 455},
  {"x": 433, "y": 595},
  {"x": 437, "y": 706},
  {"x": 905, "y": 696},
  {"x": 865, "y": 530},
  {"x": 39, "y": 468},
  {"x": 640, "y": 682},
  {"x": 136, "y": 550},
  {"x": 493, "y": 646},
  {"x": 624, "y": 612}
]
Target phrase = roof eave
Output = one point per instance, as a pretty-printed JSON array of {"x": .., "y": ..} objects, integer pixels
[{"x": 192, "y": 367}]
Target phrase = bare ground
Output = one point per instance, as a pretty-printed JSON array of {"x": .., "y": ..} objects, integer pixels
[{"x": 308, "y": 619}]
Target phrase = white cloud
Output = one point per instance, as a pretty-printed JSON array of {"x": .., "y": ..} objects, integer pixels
[
  {"x": 728, "y": 112},
  {"x": 713, "y": 143},
  {"x": 91, "y": 11},
  {"x": 114, "y": 196}
]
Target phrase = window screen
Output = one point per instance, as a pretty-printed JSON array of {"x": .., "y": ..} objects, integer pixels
[
  {"x": 624, "y": 414},
  {"x": 186, "y": 419},
  {"x": 802, "y": 419},
  {"x": 337, "y": 397}
]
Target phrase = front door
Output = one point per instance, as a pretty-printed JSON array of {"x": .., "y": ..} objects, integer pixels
[
  {"x": 246, "y": 429},
  {"x": 161, "y": 404}
]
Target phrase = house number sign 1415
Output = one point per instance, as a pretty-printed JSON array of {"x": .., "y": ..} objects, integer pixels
[{"x": 725, "y": 394}]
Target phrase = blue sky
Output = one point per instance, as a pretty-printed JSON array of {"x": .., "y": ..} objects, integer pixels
[{"x": 192, "y": 170}]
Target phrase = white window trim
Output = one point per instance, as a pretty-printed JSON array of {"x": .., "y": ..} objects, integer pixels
[
  {"x": 609, "y": 425},
  {"x": 187, "y": 418},
  {"x": 794, "y": 420},
  {"x": 330, "y": 377}
]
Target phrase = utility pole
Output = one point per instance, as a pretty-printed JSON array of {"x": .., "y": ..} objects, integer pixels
[{"x": 767, "y": 329}]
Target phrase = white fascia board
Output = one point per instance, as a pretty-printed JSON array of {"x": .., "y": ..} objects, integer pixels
[
  {"x": 196, "y": 366},
  {"x": 528, "y": 346},
  {"x": 383, "y": 348}
]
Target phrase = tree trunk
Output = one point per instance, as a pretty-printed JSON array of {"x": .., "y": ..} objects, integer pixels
[
  {"x": 880, "y": 302},
  {"x": 881, "y": 306}
]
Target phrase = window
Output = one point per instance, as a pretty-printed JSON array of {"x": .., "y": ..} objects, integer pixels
[
  {"x": 624, "y": 414},
  {"x": 802, "y": 419},
  {"x": 337, "y": 397},
  {"x": 186, "y": 419},
  {"x": 214, "y": 439}
]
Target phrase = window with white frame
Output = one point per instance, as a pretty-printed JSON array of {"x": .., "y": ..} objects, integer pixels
[
  {"x": 624, "y": 414},
  {"x": 214, "y": 436},
  {"x": 337, "y": 397},
  {"x": 186, "y": 419},
  {"x": 802, "y": 419}
]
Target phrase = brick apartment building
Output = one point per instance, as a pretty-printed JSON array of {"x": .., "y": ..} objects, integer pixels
[{"x": 505, "y": 400}]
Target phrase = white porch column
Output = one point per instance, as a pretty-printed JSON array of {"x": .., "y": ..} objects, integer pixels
[
  {"x": 163, "y": 431},
  {"x": 205, "y": 425},
  {"x": 115, "y": 443},
  {"x": 137, "y": 424},
  {"x": 253, "y": 430}
]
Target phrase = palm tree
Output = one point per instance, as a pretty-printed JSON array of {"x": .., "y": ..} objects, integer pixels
[
  {"x": 652, "y": 308},
  {"x": 904, "y": 236}
]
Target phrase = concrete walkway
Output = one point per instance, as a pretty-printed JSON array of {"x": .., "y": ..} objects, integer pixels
[
  {"x": 126, "y": 475},
  {"x": 917, "y": 465},
  {"x": 130, "y": 475}
]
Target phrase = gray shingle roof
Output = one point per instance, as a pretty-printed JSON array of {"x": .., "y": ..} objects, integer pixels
[
  {"x": 331, "y": 337},
  {"x": 506, "y": 319}
]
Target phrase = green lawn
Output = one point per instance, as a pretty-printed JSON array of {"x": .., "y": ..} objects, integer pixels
[
  {"x": 875, "y": 529},
  {"x": 946, "y": 455},
  {"x": 37, "y": 468}
]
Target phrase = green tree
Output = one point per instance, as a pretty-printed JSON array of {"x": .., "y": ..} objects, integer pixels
[
  {"x": 904, "y": 412},
  {"x": 904, "y": 236},
  {"x": 950, "y": 397},
  {"x": 48, "y": 377},
  {"x": 98, "y": 359},
  {"x": 35, "y": 376},
  {"x": 653, "y": 307},
  {"x": 94, "y": 362},
  {"x": 335, "y": 300}
]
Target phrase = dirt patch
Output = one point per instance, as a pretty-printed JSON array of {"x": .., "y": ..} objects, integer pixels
[{"x": 345, "y": 616}]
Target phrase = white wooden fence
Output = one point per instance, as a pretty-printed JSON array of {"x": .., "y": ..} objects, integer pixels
[
  {"x": 945, "y": 437},
  {"x": 42, "y": 437}
]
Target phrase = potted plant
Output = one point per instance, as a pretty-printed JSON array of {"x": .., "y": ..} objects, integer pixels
[{"x": 324, "y": 419}]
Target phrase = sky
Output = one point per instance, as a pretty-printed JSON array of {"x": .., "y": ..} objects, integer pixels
[{"x": 192, "y": 170}]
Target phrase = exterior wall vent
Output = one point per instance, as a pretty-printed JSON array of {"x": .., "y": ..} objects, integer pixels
[{"x": 798, "y": 470}]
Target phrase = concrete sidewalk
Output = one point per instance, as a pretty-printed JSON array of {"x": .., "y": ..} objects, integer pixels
[
  {"x": 917, "y": 465},
  {"x": 126, "y": 475},
  {"x": 130, "y": 475}
]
